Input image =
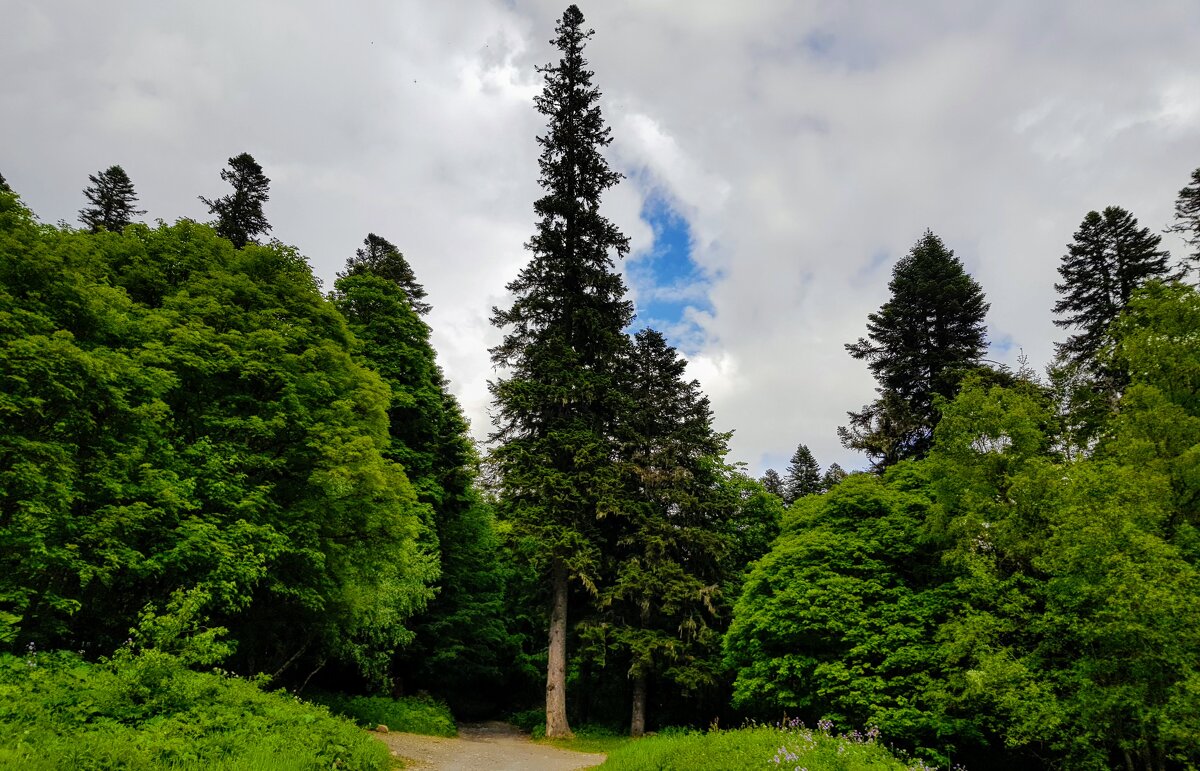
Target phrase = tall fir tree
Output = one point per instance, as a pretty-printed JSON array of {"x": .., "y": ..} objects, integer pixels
[
  {"x": 1187, "y": 216},
  {"x": 380, "y": 257},
  {"x": 4, "y": 188},
  {"x": 239, "y": 215},
  {"x": 772, "y": 482},
  {"x": 1109, "y": 258},
  {"x": 803, "y": 476},
  {"x": 557, "y": 406},
  {"x": 661, "y": 605},
  {"x": 113, "y": 201},
  {"x": 919, "y": 345}
]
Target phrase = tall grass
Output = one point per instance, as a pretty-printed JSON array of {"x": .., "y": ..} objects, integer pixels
[{"x": 793, "y": 748}]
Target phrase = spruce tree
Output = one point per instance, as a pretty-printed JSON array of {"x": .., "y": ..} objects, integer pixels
[
  {"x": 661, "y": 603},
  {"x": 112, "y": 200},
  {"x": 1187, "y": 216},
  {"x": 803, "y": 476},
  {"x": 239, "y": 215},
  {"x": 558, "y": 404},
  {"x": 380, "y": 257},
  {"x": 772, "y": 482},
  {"x": 919, "y": 345},
  {"x": 4, "y": 188},
  {"x": 831, "y": 477},
  {"x": 1109, "y": 258}
]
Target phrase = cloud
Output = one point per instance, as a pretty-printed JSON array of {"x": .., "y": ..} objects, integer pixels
[{"x": 807, "y": 147}]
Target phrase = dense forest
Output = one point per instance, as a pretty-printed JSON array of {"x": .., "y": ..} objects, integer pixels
[{"x": 208, "y": 457}]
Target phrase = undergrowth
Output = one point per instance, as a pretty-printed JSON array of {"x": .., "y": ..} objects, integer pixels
[
  {"x": 148, "y": 710},
  {"x": 788, "y": 748},
  {"x": 411, "y": 714}
]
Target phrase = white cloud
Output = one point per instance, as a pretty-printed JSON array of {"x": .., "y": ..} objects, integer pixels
[{"x": 807, "y": 145}]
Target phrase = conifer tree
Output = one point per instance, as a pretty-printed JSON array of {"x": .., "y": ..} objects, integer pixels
[
  {"x": 240, "y": 215},
  {"x": 1187, "y": 216},
  {"x": 459, "y": 639},
  {"x": 831, "y": 477},
  {"x": 380, "y": 257},
  {"x": 557, "y": 405},
  {"x": 661, "y": 604},
  {"x": 4, "y": 188},
  {"x": 112, "y": 200},
  {"x": 772, "y": 482},
  {"x": 1109, "y": 258},
  {"x": 919, "y": 345},
  {"x": 803, "y": 476}
]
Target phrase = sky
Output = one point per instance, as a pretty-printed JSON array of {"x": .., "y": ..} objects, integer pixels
[{"x": 779, "y": 157}]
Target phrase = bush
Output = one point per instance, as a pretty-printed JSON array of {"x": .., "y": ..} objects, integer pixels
[
  {"x": 530, "y": 720},
  {"x": 412, "y": 714},
  {"x": 757, "y": 749},
  {"x": 148, "y": 711}
]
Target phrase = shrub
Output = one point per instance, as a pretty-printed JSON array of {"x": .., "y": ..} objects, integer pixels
[
  {"x": 412, "y": 714},
  {"x": 146, "y": 710}
]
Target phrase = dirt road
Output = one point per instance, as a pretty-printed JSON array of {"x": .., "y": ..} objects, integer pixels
[{"x": 484, "y": 747}]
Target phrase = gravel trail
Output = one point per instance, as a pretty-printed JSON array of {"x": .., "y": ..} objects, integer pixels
[{"x": 492, "y": 746}]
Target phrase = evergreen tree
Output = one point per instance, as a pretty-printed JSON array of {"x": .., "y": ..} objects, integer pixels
[
  {"x": 803, "y": 476},
  {"x": 460, "y": 638},
  {"x": 831, "y": 477},
  {"x": 662, "y": 601},
  {"x": 919, "y": 345},
  {"x": 556, "y": 409},
  {"x": 1187, "y": 216},
  {"x": 380, "y": 257},
  {"x": 4, "y": 188},
  {"x": 1109, "y": 258},
  {"x": 112, "y": 200},
  {"x": 772, "y": 482},
  {"x": 240, "y": 215}
]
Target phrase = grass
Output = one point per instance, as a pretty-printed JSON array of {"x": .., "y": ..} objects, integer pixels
[
  {"x": 148, "y": 711},
  {"x": 757, "y": 749},
  {"x": 410, "y": 714},
  {"x": 588, "y": 738}
]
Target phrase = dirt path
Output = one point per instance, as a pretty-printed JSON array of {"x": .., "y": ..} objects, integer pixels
[{"x": 490, "y": 746}]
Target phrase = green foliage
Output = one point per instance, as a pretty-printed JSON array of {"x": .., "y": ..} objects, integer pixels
[
  {"x": 410, "y": 714},
  {"x": 148, "y": 711},
  {"x": 381, "y": 258},
  {"x": 177, "y": 414},
  {"x": 753, "y": 749},
  {"x": 838, "y": 620},
  {"x": 919, "y": 345},
  {"x": 460, "y": 643}
]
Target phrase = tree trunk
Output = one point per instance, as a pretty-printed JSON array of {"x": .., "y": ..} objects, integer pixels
[
  {"x": 556, "y": 668},
  {"x": 637, "y": 725}
]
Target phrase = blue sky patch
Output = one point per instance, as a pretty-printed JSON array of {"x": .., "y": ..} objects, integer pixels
[{"x": 668, "y": 285}]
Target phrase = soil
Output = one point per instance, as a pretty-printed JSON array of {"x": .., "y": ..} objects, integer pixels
[{"x": 491, "y": 746}]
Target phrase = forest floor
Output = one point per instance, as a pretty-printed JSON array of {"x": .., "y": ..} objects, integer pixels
[{"x": 494, "y": 746}]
